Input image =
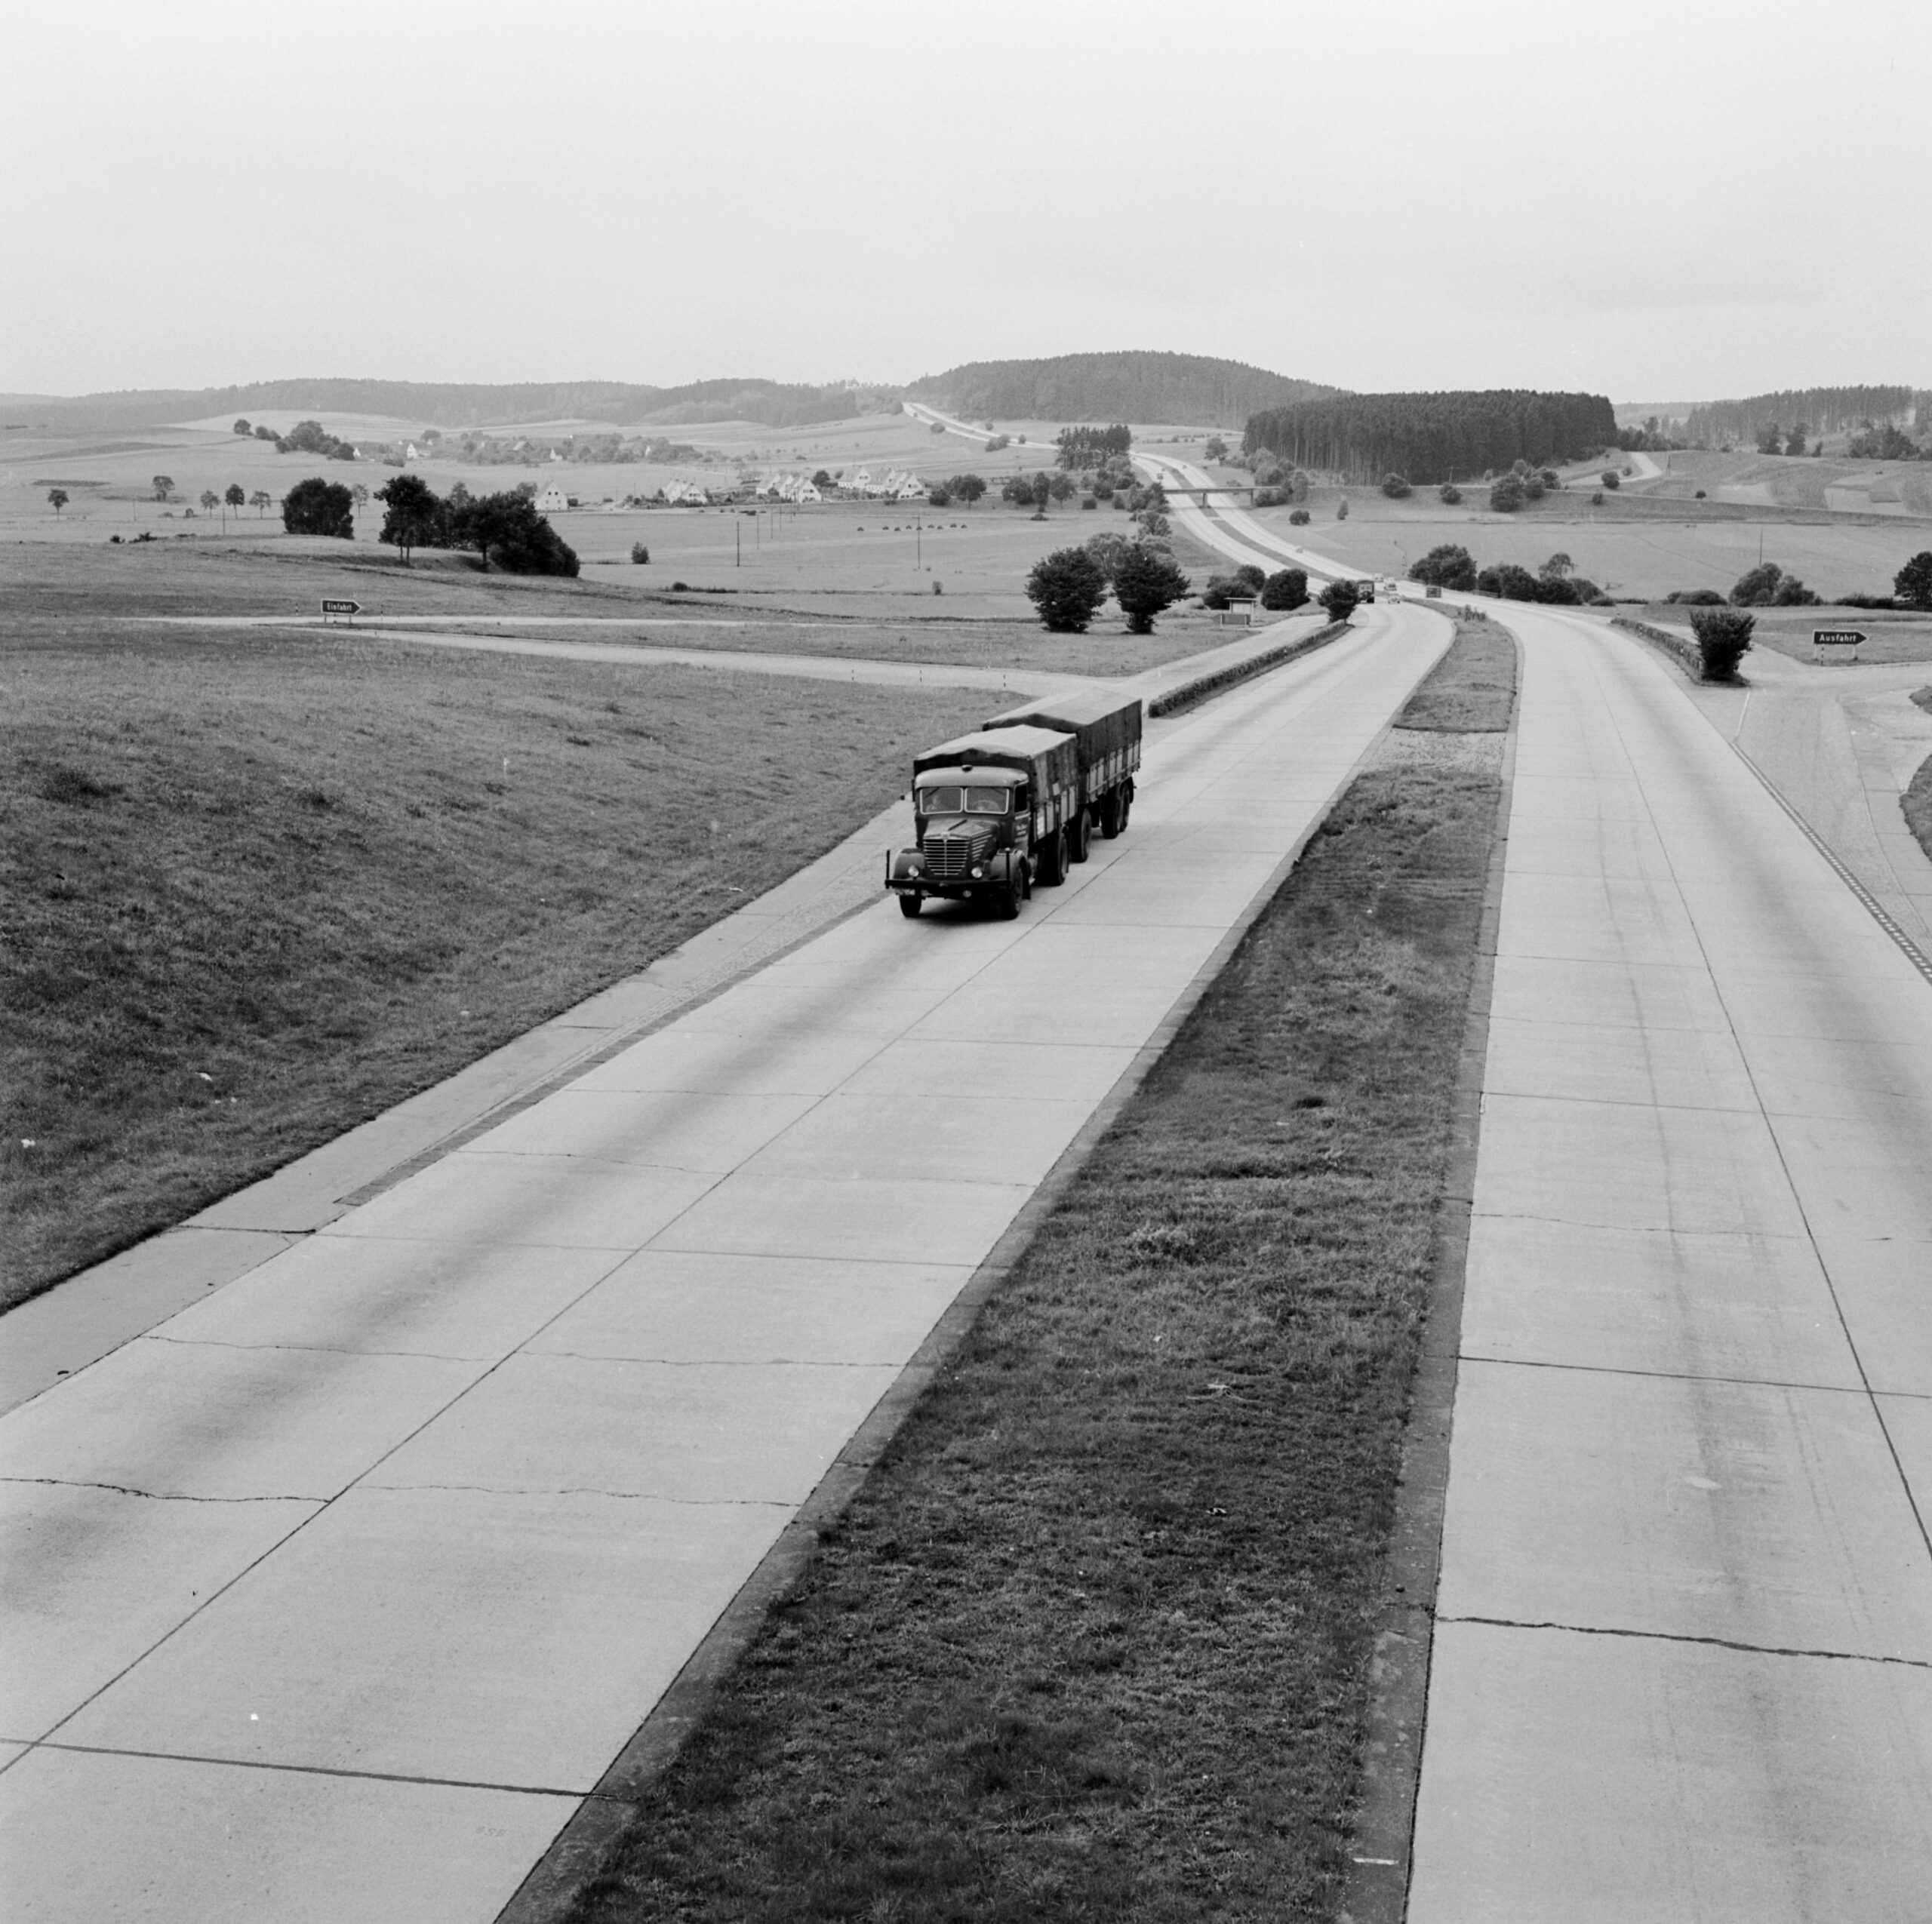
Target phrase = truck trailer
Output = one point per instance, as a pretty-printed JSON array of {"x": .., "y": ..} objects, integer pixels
[
  {"x": 990, "y": 813},
  {"x": 1105, "y": 728}
]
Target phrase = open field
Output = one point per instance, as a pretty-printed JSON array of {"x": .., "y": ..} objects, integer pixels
[
  {"x": 1630, "y": 559},
  {"x": 287, "y": 578},
  {"x": 263, "y": 884},
  {"x": 1093, "y": 1639},
  {"x": 1815, "y": 482}
]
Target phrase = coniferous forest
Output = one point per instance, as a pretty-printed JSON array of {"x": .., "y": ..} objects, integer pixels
[{"x": 1427, "y": 437}]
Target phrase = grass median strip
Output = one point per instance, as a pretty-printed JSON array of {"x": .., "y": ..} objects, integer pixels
[{"x": 1094, "y": 1638}]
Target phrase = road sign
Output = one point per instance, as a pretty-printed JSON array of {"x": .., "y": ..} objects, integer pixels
[
  {"x": 1837, "y": 638},
  {"x": 331, "y": 608}
]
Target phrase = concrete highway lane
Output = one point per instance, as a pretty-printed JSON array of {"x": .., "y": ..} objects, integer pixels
[
  {"x": 1682, "y": 1665},
  {"x": 334, "y": 1594}
]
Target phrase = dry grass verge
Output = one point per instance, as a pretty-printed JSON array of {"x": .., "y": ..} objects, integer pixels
[
  {"x": 260, "y": 885},
  {"x": 1093, "y": 1639}
]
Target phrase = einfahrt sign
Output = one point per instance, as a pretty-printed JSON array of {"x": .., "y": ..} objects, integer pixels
[{"x": 347, "y": 610}]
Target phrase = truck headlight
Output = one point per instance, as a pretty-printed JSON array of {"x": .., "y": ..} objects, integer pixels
[{"x": 978, "y": 870}]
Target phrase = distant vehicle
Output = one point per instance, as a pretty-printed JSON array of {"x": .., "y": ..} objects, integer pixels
[
  {"x": 1365, "y": 590},
  {"x": 1016, "y": 802},
  {"x": 1434, "y": 591}
]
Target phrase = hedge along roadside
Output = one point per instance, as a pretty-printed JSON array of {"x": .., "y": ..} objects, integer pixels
[
  {"x": 1683, "y": 653},
  {"x": 1095, "y": 1634},
  {"x": 1189, "y": 693}
]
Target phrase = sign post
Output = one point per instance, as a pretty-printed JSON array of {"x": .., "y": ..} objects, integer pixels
[
  {"x": 349, "y": 610},
  {"x": 1822, "y": 638}
]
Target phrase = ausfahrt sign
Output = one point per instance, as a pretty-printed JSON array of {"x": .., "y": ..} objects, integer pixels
[{"x": 1837, "y": 638}]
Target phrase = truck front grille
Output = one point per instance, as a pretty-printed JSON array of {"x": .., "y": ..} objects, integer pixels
[{"x": 949, "y": 857}]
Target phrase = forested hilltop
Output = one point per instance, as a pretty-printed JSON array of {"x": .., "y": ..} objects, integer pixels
[
  {"x": 1817, "y": 410},
  {"x": 1130, "y": 386},
  {"x": 460, "y": 404},
  {"x": 1434, "y": 437}
]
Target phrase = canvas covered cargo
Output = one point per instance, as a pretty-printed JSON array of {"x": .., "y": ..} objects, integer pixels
[{"x": 1106, "y": 726}]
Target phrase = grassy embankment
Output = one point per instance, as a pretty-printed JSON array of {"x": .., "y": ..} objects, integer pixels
[
  {"x": 1093, "y": 1639},
  {"x": 1917, "y": 799},
  {"x": 261, "y": 884}
]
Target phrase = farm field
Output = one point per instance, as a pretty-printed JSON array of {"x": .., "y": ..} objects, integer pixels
[
  {"x": 287, "y": 578},
  {"x": 1632, "y": 559},
  {"x": 265, "y": 884},
  {"x": 1815, "y": 482}
]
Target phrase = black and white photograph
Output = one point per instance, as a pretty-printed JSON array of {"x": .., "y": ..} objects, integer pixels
[{"x": 966, "y": 965}]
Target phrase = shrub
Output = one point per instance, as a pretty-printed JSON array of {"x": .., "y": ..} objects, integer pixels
[
  {"x": 1508, "y": 583},
  {"x": 1696, "y": 598},
  {"x": 1698, "y": 496},
  {"x": 1285, "y": 590},
  {"x": 1220, "y": 590},
  {"x": 1449, "y": 494},
  {"x": 1066, "y": 586},
  {"x": 315, "y": 506},
  {"x": 1448, "y": 566},
  {"x": 1396, "y": 488},
  {"x": 1088, "y": 500},
  {"x": 1872, "y": 601},
  {"x": 994, "y": 446},
  {"x": 1506, "y": 495},
  {"x": 1250, "y": 577},
  {"x": 1612, "y": 479},
  {"x": 1723, "y": 636},
  {"x": 1341, "y": 515},
  {"x": 1145, "y": 585},
  {"x": 1534, "y": 486},
  {"x": 1596, "y": 499},
  {"x": 1339, "y": 599},
  {"x": 1912, "y": 584},
  {"x": 640, "y": 555},
  {"x": 1757, "y": 588},
  {"x": 681, "y": 588},
  {"x": 1299, "y": 518}
]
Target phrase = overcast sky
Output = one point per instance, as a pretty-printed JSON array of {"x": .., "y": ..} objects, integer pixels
[{"x": 1654, "y": 199}]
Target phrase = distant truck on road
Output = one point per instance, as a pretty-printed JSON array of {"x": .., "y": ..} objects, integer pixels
[{"x": 1015, "y": 802}]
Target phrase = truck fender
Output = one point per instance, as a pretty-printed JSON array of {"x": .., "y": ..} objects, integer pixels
[{"x": 899, "y": 865}]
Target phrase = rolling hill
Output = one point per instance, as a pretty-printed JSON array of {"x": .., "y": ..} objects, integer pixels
[{"x": 1128, "y": 386}]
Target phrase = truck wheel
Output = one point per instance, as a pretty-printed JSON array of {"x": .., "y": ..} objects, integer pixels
[
  {"x": 1110, "y": 816},
  {"x": 1008, "y": 904},
  {"x": 1080, "y": 835},
  {"x": 909, "y": 905},
  {"x": 1126, "y": 810},
  {"x": 1053, "y": 861}
]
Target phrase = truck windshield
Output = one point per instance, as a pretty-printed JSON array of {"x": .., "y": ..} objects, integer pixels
[{"x": 951, "y": 799}]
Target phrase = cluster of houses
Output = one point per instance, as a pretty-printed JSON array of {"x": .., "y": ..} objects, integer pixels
[{"x": 897, "y": 485}]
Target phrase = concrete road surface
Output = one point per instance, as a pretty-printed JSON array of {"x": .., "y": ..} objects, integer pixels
[
  {"x": 1682, "y": 1666},
  {"x": 334, "y": 1594}
]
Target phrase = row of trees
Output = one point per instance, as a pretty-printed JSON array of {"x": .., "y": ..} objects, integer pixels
[
  {"x": 1720, "y": 423},
  {"x": 1434, "y": 437},
  {"x": 1451, "y": 566},
  {"x": 1068, "y": 585}
]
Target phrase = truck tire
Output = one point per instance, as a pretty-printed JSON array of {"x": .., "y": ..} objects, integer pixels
[
  {"x": 1126, "y": 809},
  {"x": 909, "y": 905},
  {"x": 1007, "y": 905},
  {"x": 1053, "y": 861},
  {"x": 1079, "y": 848},
  {"x": 1110, "y": 816}
]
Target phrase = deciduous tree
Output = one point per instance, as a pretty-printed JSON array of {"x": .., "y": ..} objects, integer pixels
[
  {"x": 163, "y": 486},
  {"x": 1066, "y": 586},
  {"x": 315, "y": 506},
  {"x": 58, "y": 495},
  {"x": 1912, "y": 584},
  {"x": 1285, "y": 591},
  {"x": 1146, "y": 584},
  {"x": 415, "y": 518},
  {"x": 1339, "y": 599},
  {"x": 1447, "y": 566}
]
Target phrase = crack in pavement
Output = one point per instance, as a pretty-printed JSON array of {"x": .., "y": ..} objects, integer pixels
[
  {"x": 155, "y": 1496},
  {"x": 1680, "y": 1636}
]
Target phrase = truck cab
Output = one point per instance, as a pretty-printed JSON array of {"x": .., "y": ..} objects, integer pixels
[{"x": 985, "y": 807}]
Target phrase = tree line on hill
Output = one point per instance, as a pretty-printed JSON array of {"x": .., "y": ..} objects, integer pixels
[
  {"x": 505, "y": 528},
  {"x": 1819, "y": 410},
  {"x": 1436, "y": 437},
  {"x": 1125, "y": 386}
]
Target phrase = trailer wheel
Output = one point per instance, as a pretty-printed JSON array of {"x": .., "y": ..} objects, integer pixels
[
  {"x": 1126, "y": 810},
  {"x": 909, "y": 905},
  {"x": 1078, "y": 850},
  {"x": 1110, "y": 816}
]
